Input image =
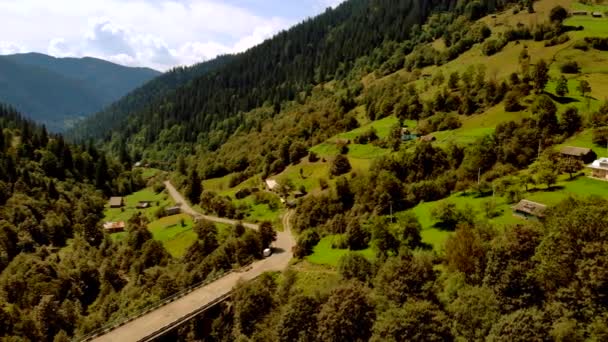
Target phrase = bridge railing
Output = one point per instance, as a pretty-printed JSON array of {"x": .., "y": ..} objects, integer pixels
[{"x": 116, "y": 323}]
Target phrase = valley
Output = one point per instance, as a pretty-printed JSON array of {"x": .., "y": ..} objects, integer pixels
[{"x": 420, "y": 170}]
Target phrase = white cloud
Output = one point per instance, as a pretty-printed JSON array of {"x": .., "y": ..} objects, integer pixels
[
  {"x": 154, "y": 33},
  {"x": 7, "y": 48}
]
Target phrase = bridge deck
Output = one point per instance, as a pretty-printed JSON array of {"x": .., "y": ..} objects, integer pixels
[{"x": 167, "y": 315}]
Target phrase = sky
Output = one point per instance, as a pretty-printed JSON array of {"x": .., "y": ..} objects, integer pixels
[{"x": 159, "y": 34}]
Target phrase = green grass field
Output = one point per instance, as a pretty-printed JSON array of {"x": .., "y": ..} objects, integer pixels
[
  {"x": 581, "y": 186},
  {"x": 323, "y": 254},
  {"x": 314, "y": 279},
  {"x": 125, "y": 213},
  {"x": 175, "y": 237},
  {"x": 597, "y": 27}
]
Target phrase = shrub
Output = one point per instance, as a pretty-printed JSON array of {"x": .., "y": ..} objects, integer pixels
[
  {"x": 600, "y": 136},
  {"x": 570, "y": 67},
  {"x": 340, "y": 166},
  {"x": 581, "y": 45},
  {"x": 492, "y": 46},
  {"x": 561, "y": 39},
  {"x": 512, "y": 101}
]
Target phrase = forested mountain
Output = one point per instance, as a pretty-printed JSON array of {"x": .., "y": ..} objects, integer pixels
[
  {"x": 317, "y": 50},
  {"x": 149, "y": 95},
  {"x": 416, "y": 150},
  {"x": 60, "y": 275},
  {"x": 57, "y": 91}
]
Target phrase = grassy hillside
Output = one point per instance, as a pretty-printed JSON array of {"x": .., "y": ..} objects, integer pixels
[{"x": 308, "y": 175}]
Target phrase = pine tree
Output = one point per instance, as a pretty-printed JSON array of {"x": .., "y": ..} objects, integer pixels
[
  {"x": 194, "y": 188},
  {"x": 541, "y": 76},
  {"x": 562, "y": 87}
]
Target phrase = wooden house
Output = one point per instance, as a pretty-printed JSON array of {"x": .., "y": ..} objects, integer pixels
[
  {"x": 144, "y": 204},
  {"x": 529, "y": 210},
  {"x": 114, "y": 227},
  {"x": 428, "y": 138},
  {"x": 586, "y": 155},
  {"x": 173, "y": 211},
  {"x": 116, "y": 202}
]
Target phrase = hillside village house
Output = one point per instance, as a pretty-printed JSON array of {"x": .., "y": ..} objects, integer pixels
[
  {"x": 271, "y": 184},
  {"x": 529, "y": 210},
  {"x": 144, "y": 204},
  {"x": 586, "y": 155},
  {"x": 114, "y": 227},
  {"x": 599, "y": 168},
  {"x": 173, "y": 211},
  {"x": 116, "y": 202}
]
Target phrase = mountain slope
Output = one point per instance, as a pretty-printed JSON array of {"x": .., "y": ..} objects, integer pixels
[
  {"x": 146, "y": 96},
  {"x": 55, "y": 91},
  {"x": 314, "y": 51}
]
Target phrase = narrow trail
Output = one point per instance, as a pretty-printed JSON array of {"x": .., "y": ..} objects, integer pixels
[{"x": 167, "y": 315}]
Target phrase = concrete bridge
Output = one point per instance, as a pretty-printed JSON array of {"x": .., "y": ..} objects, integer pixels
[{"x": 157, "y": 322}]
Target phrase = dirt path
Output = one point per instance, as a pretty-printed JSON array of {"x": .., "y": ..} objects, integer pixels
[
  {"x": 174, "y": 311},
  {"x": 187, "y": 209}
]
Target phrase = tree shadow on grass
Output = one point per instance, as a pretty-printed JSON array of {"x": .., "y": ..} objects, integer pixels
[
  {"x": 549, "y": 189},
  {"x": 443, "y": 226},
  {"x": 562, "y": 99}
]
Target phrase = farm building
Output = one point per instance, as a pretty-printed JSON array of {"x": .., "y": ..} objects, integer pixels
[
  {"x": 173, "y": 211},
  {"x": 586, "y": 155},
  {"x": 599, "y": 168},
  {"x": 116, "y": 202},
  {"x": 529, "y": 210},
  {"x": 114, "y": 227},
  {"x": 271, "y": 184},
  {"x": 428, "y": 138},
  {"x": 144, "y": 204},
  {"x": 406, "y": 135}
]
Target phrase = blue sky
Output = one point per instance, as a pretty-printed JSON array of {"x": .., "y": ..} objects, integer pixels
[{"x": 155, "y": 33}]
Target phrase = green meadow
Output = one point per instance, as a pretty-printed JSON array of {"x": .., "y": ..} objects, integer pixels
[
  {"x": 324, "y": 254},
  {"x": 131, "y": 201}
]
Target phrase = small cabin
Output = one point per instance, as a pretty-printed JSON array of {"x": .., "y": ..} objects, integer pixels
[
  {"x": 428, "y": 138},
  {"x": 144, "y": 204},
  {"x": 173, "y": 211},
  {"x": 114, "y": 227},
  {"x": 116, "y": 202},
  {"x": 271, "y": 184},
  {"x": 529, "y": 210}
]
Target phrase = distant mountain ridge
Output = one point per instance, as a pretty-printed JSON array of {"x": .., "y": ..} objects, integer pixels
[{"x": 58, "y": 91}]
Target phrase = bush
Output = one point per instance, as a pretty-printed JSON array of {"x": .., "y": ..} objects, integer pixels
[
  {"x": 581, "y": 45},
  {"x": 561, "y": 39},
  {"x": 512, "y": 101},
  {"x": 306, "y": 241},
  {"x": 570, "y": 67},
  {"x": 600, "y": 136},
  {"x": 598, "y": 43},
  {"x": 340, "y": 166},
  {"x": 492, "y": 46}
]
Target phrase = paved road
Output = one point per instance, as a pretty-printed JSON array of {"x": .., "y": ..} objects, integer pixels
[{"x": 172, "y": 312}]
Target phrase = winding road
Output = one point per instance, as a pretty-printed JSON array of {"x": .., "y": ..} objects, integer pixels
[{"x": 145, "y": 326}]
